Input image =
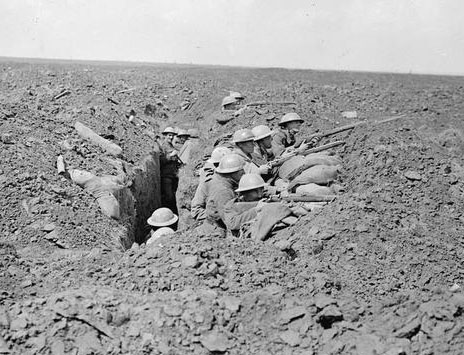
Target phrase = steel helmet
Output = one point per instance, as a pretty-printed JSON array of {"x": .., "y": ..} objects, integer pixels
[
  {"x": 182, "y": 132},
  {"x": 261, "y": 132},
  {"x": 228, "y": 100},
  {"x": 290, "y": 117},
  {"x": 250, "y": 182},
  {"x": 162, "y": 217},
  {"x": 194, "y": 133},
  {"x": 243, "y": 135},
  {"x": 218, "y": 153},
  {"x": 169, "y": 130},
  {"x": 236, "y": 95},
  {"x": 230, "y": 163}
]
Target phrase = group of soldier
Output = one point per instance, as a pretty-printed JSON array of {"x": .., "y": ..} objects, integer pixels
[{"x": 232, "y": 182}]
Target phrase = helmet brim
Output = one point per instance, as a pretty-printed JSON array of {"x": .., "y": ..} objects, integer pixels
[
  {"x": 263, "y": 136},
  {"x": 153, "y": 223},
  {"x": 295, "y": 120},
  {"x": 227, "y": 171},
  {"x": 249, "y": 189},
  {"x": 251, "y": 139}
]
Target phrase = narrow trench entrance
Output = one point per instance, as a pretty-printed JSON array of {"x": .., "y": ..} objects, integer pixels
[{"x": 139, "y": 201}]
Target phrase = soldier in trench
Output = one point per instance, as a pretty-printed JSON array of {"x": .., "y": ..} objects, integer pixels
[
  {"x": 169, "y": 171},
  {"x": 222, "y": 190},
  {"x": 285, "y": 138},
  {"x": 198, "y": 204}
]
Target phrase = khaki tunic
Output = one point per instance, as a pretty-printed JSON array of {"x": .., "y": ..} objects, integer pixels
[
  {"x": 237, "y": 213},
  {"x": 222, "y": 190}
]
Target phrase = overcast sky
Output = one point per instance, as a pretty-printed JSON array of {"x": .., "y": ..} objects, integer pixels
[{"x": 419, "y": 36}]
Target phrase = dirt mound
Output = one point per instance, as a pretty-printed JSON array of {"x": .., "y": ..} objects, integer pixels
[{"x": 377, "y": 271}]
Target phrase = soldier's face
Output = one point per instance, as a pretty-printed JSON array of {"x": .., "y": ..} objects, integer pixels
[
  {"x": 238, "y": 175},
  {"x": 266, "y": 142},
  {"x": 294, "y": 126},
  {"x": 169, "y": 137},
  {"x": 247, "y": 147},
  {"x": 253, "y": 195},
  {"x": 231, "y": 106}
]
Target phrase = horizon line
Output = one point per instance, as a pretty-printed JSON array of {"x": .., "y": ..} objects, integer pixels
[{"x": 112, "y": 61}]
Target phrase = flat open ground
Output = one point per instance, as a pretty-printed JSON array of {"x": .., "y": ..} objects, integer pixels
[{"x": 375, "y": 272}]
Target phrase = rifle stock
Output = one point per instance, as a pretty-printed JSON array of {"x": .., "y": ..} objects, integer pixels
[
  {"x": 303, "y": 198},
  {"x": 351, "y": 126}
]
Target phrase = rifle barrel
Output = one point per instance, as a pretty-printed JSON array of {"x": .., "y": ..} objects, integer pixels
[{"x": 309, "y": 198}]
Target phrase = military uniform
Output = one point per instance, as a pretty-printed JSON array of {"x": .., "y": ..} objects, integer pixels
[
  {"x": 169, "y": 171},
  {"x": 222, "y": 190},
  {"x": 281, "y": 140},
  {"x": 264, "y": 154},
  {"x": 198, "y": 204},
  {"x": 252, "y": 161},
  {"x": 237, "y": 213}
]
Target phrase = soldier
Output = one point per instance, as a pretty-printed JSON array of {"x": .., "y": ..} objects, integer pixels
[
  {"x": 237, "y": 96},
  {"x": 229, "y": 103},
  {"x": 169, "y": 170},
  {"x": 245, "y": 147},
  {"x": 180, "y": 138},
  {"x": 263, "y": 140},
  {"x": 222, "y": 186},
  {"x": 169, "y": 133},
  {"x": 162, "y": 220},
  {"x": 285, "y": 138},
  {"x": 198, "y": 205},
  {"x": 240, "y": 212},
  {"x": 244, "y": 208}
]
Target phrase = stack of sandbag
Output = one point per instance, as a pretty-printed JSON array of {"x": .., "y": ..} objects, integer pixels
[
  {"x": 319, "y": 174},
  {"x": 312, "y": 174},
  {"x": 102, "y": 188},
  {"x": 297, "y": 164}
]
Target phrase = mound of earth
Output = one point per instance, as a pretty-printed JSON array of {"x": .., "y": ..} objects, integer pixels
[{"x": 377, "y": 271}]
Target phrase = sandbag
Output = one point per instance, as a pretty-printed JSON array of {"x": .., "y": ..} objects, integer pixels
[
  {"x": 299, "y": 161},
  {"x": 109, "y": 205},
  {"x": 313, "y": 189},
  {"x": 102, "y": 188},
  {"x": 291, "y": 164},
  {"x": 321, "y": 159},
  {"x": 90, "y": 135},
  {"x": 319, "y": 174}
]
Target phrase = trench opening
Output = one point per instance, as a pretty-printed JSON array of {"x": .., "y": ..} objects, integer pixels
[{"x": 138, "y": 201}]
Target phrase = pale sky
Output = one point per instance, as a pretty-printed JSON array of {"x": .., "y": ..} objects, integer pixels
[{"x": 419, "y": 36}]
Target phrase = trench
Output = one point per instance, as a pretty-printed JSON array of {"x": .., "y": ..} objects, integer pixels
[{"x": 138, "y": 201}]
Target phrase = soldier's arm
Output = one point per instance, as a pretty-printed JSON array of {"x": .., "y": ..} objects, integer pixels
[
  {"x": 221, "y": 201},
  {"x": 235, "y": 217},
  {"x": 278, "y": 146},
  {"x": 198, "y": 205}
]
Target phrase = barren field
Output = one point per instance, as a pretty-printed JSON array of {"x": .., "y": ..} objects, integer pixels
[{"x": 377, "y": 271}]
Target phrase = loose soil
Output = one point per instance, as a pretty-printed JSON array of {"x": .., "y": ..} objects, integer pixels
[{"x": 377, "y": 271}]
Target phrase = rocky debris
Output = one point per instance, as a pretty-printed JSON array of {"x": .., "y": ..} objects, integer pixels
[
  {"x": 367, "y": 274},
  {"x": 215, "y": 342},
  {"x": 413, "y": 175}
]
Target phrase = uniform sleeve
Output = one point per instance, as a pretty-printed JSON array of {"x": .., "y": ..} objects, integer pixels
[
  {"x": 278, "y": 145},
  {"x": 222, "y": 201},
  {"x": 234, "y": 216},
  {"x": 198, "y": 205}
]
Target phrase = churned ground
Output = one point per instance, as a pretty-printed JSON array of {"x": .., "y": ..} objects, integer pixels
[{"x": 377, "y": 271}]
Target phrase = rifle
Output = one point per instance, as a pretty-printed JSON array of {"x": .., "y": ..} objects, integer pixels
[
  {"x": 351, "y": 126},
  {"x": 279, "y": 161},
  {"x": 283, "y": 159},
  {"x": 261, "y": 103},
  {"x": 302, "y": 198},
  {"x": 266, "y": 103}
]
